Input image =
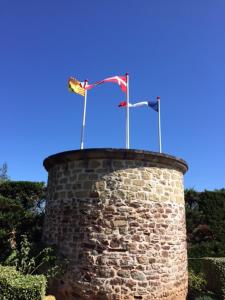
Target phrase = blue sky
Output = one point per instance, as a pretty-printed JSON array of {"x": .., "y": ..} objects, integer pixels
[{"x": 174, "y": 49}]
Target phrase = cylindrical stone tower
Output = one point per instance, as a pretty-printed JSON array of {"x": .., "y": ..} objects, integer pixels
[{"x": 119, "y": 217}]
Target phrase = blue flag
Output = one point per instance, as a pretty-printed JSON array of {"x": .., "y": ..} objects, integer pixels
[{"x": 153, "y": 105}]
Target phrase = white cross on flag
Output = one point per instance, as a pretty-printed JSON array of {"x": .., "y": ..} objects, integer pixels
[{"x": 120, "y": 80}]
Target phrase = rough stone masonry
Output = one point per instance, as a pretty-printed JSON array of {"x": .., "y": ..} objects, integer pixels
[{"x": 118, "y": 216}]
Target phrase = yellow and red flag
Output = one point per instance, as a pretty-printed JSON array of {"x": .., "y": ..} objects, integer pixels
[{"x": 76, "y": 86}]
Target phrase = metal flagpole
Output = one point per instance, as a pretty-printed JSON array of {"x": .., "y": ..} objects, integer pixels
[
  {"x": 159, "y": 125},
  {"x": 84, "y": 118},
  {"x": 127, "y": 116}
]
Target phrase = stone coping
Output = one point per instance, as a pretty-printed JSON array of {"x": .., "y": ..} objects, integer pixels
[{"x": 111, "y": 153}]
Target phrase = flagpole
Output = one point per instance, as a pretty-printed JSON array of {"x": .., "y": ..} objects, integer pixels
[
  {"x": 127, "y": 115},
  {"x": 159, "y": 125},
  {"x": 84, "y": 118}
]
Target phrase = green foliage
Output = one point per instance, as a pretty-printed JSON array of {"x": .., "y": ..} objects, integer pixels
[
  {"x": 195, "y": 265},
  {"x": 58, "y": 267},
  {"x": 28, "y": 261},
  {"x": 33, "y": 261},
  {"x": 204, "y": 298},
  {"x": 11, "y": 215},
  {"x": 31, "y": 195},
  {"x": 215, "y": 275},
  {"x": 207, "y": 278},
  {"x": 197, "y": 282},
  {"x": 205, "y": 216},
  {"x": 21, "y": 212},
  {"x": 213, "y": 206},
  {"x": 21, "y": 223},
  {"x": 202, "y": 249},
  {"x": 15, "y": 286}
]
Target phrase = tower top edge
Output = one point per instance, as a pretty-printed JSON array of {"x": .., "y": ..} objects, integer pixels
[{"x": 165, "y": 160}]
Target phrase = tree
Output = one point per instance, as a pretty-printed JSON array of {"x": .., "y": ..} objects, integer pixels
[
  {"x": 11, "y": 215},
  {"x": 31, "y": 195},
  {"x": 205, "y": 217},
  {"x": 21, "y": 212},
  {"x": 212, "y": 204},
  {"x": 3, "y": 172}
]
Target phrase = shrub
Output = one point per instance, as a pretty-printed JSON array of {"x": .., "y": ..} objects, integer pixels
[
  {"x": 195, "y": 265},
  {"x": 215, "y": 275},
  {"x": 204, "y": 298},
  {"x": 15, "y": 286},
  {"x": 196, "y": 282},
  {"x": 31, "y": 262},
  {"x": 197, "y": 285},
  {"x": 37, "y": 262}
]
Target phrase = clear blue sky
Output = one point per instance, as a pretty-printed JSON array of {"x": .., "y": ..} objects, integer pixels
[{"x": 175, "y": 49}]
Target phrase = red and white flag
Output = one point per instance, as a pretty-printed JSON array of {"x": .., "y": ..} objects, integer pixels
[{"x": 120, "y": 80}]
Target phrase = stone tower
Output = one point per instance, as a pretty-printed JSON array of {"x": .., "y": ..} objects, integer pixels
[{"x": 119, "y": 217}]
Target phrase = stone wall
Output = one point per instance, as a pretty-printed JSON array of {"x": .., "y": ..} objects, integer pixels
[{"x": 118, "y": 216}]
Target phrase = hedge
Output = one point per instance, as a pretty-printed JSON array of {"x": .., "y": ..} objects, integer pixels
[
  {"x": 214, "y": 269},
  {"x": 16, "y": 286}
]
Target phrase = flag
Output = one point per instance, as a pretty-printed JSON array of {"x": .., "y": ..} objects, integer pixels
[
  {"x": 152, "y": 104},
  {"x": 120, "y": 80},
  {"x": 123, "y": 104},
  {"x": 76, "y": 86}
]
